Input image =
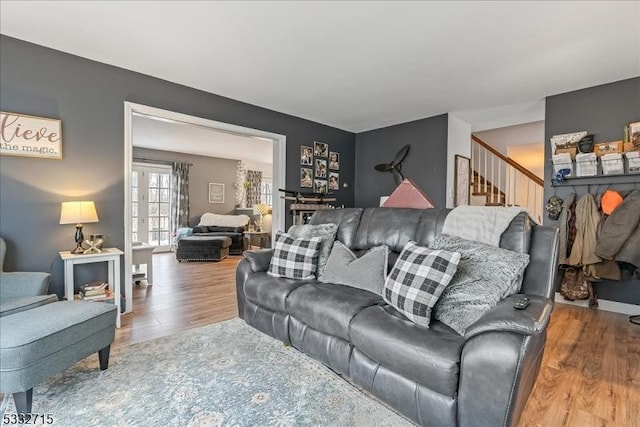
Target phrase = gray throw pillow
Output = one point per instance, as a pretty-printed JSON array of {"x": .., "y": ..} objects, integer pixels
[
  {"x": 328, "y": 234},
  {"x": 367, "y": 272},
  {"x": 486, "y": 274}
]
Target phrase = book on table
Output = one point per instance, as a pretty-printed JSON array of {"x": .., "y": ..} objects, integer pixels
[
  {"x": 106, "y": 296},
  {"x": 94, "y": 290}
]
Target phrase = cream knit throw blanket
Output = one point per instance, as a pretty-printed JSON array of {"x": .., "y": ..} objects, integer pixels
[{"x": 480, "y": 223}]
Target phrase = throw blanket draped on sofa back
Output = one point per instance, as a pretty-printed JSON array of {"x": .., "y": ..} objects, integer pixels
[
  {"x": 217, "y": 220},
  {"x": 361, "y": 229}
]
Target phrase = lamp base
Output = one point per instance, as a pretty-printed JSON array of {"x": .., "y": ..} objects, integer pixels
[
  {"x": 77, "y": 250},
  {"x": 79, "y": 237}
]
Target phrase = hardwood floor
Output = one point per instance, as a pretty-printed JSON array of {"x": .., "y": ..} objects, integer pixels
[
  {"x": 590, "y": 373},
  {"x": 185, "y": 295}
]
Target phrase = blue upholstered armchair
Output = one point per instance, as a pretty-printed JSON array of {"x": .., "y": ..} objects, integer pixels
[{"x": 21, "y": 291}]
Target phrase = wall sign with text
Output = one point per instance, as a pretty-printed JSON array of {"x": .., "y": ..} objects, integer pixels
[{"x": 23, "y": 135}]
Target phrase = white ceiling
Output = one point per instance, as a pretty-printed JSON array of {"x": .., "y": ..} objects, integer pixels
[
  {"x": 168, "y": 135},
  {"x": 356, "y": 65}
]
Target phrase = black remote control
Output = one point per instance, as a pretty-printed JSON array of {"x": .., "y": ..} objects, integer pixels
[{"x": 522, "y": 304}]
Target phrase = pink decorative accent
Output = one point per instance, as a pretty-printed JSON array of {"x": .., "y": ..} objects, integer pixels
[{"x": 408, "y": 195}]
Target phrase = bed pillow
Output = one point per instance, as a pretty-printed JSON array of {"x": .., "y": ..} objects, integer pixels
[
  {"x": 328, "y": 234},
  {"x": 486, "y": 274},
  {"x": 417, "y": 280},
  {"x": 367, "y": 272},
  {"x": 294, "y": 258}
]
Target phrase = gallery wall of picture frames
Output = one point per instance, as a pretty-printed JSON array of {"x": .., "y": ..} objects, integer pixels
[{"x": 319, "y": 168}]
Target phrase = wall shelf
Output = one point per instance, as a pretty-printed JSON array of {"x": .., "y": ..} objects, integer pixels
[{"x": 628, "y": 178}]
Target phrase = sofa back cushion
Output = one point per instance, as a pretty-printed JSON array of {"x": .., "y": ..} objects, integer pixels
[
  {"x": 393, "y": 227},
  {"x": 517, "y": 237},
  {"x": 362, "y": 229},
  {"x": 346, "y": 219},
  {"x": 216, "y": 229},
  {"x": 430, "y": 225}
]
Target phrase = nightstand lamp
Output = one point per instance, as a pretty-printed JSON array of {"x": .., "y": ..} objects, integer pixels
[
  {"x": 262, "y": 209},
  {"x": 78, "y": 213}
]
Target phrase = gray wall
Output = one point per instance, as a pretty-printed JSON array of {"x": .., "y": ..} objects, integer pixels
[
  {"x": 426, "y": 164},
  {"x": 204, "y": 170},
  {"x": 89, "y": 99},
  {"x": 603, "y": 111}
]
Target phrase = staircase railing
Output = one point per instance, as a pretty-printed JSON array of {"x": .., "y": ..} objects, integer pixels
[{"x": 505, "y": 182}]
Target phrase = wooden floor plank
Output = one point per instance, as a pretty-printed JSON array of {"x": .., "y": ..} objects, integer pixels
[{"x": 590, "y": 374}]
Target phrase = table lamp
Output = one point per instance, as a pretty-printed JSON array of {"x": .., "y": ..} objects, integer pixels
[
  {"x": 262, "y": 209},
  {"x": 78, "y": 213}
]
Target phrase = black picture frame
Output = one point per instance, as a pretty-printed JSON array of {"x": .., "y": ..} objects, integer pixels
[
  {"x": 320, "y": 149},
  {"x": 306, "y": 155},
  {"x": 320, "y": 168},
  {"x": 306, "y": 177},
  {"x": 334, "y": 181},
  {"x": 334, "y": 160}
]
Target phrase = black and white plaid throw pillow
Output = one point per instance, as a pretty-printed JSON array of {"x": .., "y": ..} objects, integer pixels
[
  {"x": 417, "y": 280},
  {"x": 294, "y": 258}
]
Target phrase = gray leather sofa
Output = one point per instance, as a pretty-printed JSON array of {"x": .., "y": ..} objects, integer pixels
[{"x": 434, "y": 376}]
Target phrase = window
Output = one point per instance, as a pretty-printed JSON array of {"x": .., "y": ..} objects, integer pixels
[
  {"x": 151, "y": 205},
  {"x": 266, "y": 191}
]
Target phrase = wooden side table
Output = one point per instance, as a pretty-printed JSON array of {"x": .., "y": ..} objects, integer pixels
[
  {"x": 109, "y": 255},
  {"x": 263, "y": 235}
]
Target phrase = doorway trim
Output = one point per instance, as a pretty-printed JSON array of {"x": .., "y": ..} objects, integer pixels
[{"x": 279, "y": 169}]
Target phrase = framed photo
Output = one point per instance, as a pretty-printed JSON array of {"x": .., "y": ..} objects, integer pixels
[
  {"x": 320, "y": 186},
  {"x": 216, "y": 192},
  {"x": 320, "y": 149},
  {"x": 306, "y": 155},
  {"x": 306, "y": 177},
  {"x": 334, "y": 181},
  {"x": 321, "y": 168},
  {"x": 334, "y": 160},
  {"x": 462, "y": 180}
]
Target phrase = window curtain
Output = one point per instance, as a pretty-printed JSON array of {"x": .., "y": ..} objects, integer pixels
[
  {"x": 255, "y": 184},
  {"x": 179, "y": 196}
]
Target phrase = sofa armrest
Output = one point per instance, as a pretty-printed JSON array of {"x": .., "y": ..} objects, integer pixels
[
  {"x": 503, "y": 317},
  {"x": 23, "y": 284},
  {"x": 259, "y": 260},
  {"x": 500, "y": 361}
]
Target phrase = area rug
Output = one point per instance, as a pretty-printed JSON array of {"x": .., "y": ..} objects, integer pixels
[{"x": 226, "y": 374}]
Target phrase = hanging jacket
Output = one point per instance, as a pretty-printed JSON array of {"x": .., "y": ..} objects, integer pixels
[
  {"x": 564, "y": 226},
  {"x": 619, "y": 235},
  {"x": 583, "y": 250},
  {"x": 587, "y": 221}
]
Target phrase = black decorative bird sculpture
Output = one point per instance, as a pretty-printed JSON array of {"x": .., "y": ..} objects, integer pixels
[{"x": 395, "y": 167}]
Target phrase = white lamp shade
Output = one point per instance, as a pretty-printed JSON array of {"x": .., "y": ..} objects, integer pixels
[{"x": 78, "y": 212}]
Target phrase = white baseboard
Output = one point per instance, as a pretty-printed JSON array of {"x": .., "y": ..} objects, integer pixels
[{"x": 603, "y": 304}]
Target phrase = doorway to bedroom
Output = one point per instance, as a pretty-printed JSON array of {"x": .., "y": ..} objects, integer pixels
[{"x": 179, "y": 168}]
